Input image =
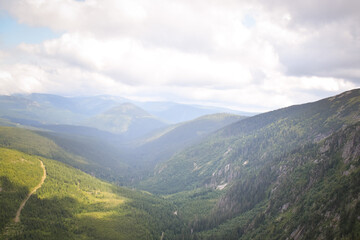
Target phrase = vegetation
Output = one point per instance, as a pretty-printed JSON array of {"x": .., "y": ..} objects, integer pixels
[
  {"x": 74, "y": 205},
  {"x": 160, "y": 145},
  {"x": 292, "y": 173},
  {"x": 19, "y": 173},
  {"x": 92, "y": 156},
  {"x": 242, "y": 148},
  {"x": 314, "y": 195}
]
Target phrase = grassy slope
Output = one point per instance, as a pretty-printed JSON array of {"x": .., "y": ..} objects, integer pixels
[
  {"x": 19, "y": 173},
  {"x": 74, "y": 205}
]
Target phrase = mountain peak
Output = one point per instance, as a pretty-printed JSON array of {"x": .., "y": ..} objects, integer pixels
[{"x": 127, "y": 109}]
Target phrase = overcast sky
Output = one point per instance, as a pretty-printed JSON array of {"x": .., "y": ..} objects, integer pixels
[{"x": 249, "y": 55}]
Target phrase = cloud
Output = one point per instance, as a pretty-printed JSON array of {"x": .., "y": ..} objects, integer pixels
[
  {"x": 257, "y": 55},
  {"x": 329, "y": 32}
]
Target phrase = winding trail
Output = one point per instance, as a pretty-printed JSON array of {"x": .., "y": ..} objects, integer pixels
[{"x": 22, "y": 205}]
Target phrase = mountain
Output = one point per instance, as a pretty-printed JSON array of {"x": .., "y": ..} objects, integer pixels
[
  {"x": 24, "y": 108},
  {"x": 126, "y": 119},
  {"x": 290, "y": 173},
  {"x": 107, "y": 113},
  {"x": 250, "y": 142},
  {"x": 162, "y": 144},
  {"x": 53, "y": 109},
  {"x": 176, "y": 112},
  {"x": 87, "y": 106},
  {"x": 59, "y": 113}
]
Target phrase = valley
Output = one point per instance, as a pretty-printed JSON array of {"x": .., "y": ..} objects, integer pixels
[{"x": 115, "y": 170}]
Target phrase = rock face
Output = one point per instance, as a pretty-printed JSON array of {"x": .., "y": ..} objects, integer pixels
[
  {"x": 299, "y": 184},
  {"x": 351, "y": 150}
]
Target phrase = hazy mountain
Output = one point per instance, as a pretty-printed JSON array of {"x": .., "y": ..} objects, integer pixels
[
  {"x": 176, "y": 112},
  {"x": 24, "y": 108},
  {"x": 53, "y": 109},
  {"x": 87, "y": 106},
  {"x": 126, "y": 119}
]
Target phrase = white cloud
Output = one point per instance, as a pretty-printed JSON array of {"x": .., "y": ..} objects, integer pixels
[{"x": 189, "y": 51}]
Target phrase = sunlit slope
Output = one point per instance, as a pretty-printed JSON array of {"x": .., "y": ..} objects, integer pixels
[
  {"x": 241, "y": 149},
  {"x": 74, "y": 205},
  {"x": 19, "y": 174}
]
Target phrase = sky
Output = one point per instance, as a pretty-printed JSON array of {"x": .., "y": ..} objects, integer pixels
[{"x": 251, "y": 56}]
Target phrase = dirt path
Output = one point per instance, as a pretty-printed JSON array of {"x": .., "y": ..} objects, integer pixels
[{"x": 22, "y": 205}]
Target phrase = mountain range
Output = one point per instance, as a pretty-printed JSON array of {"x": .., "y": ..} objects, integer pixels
[{"x": 116, "y": 169}]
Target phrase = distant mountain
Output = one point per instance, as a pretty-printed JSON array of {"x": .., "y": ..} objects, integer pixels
[
  {"x": 175, "y": 112},
  {"x": 87, "y": 106},
  {"x": 107, "y": 113},
  {"x": 53, "y": 109},
  {"x": 24, "y": 108},
  {"x": 126, "y": 119},
  {"x": 58, "y": 113}
]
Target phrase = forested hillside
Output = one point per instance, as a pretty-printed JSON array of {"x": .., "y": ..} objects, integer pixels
[
  {"x": 309, "y": 193},
  {"x": 242, "y": 148},
  {"x": 290, "y": 173}
]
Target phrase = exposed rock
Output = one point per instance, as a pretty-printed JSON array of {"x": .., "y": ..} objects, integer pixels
[
  {"x": 196, "y": 167},
  {"x": 222, "y": 186},
  {"x": 297, "y": 233},
  {"x": 285, "y": 207},
  {"x": 227, "y": 152},
  {"x": 351, "y": 149}
]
